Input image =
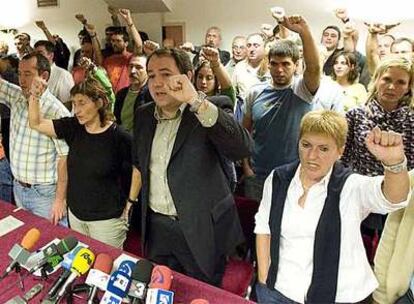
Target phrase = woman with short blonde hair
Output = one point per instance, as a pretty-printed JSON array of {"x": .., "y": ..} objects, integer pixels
[{"x": 308, "y": 238}]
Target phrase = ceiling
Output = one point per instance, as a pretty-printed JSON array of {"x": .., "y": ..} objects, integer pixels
[{"x": 143, "y": 6}]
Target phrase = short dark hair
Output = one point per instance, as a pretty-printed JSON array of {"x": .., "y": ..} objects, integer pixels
[
  {"x": 83, "y": 33},
  {"x": 92, "y": 88},
  {"x": 111, "y": 28},
  {"x": 181, "y": 58},
  {"x": 86, "y": 39},
  {"x": 121, "y": 31},
  {"x": 284, "y": 48},
  {"x": 49, "y": 46},
  {"x": 335, "y": 28},
  {"x": 25, "y": 35},
  {"x": 352, "y": 62},
  {"x": 42, "y": 64},
  {"x": 13, "y": 61}
]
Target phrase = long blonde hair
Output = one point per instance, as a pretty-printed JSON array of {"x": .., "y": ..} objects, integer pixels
[{"x": 393, "y": 62}]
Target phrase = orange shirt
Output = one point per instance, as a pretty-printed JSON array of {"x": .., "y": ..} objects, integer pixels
[{"x": 116, "y": 66}]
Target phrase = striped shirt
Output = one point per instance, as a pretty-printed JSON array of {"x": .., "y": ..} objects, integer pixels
[{"x": 33, "y": 156}]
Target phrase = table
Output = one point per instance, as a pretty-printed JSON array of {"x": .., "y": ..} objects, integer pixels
[{"x": 185, "y": 288}]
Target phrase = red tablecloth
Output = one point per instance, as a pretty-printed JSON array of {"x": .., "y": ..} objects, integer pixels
[{"x": 185, "y": 288}]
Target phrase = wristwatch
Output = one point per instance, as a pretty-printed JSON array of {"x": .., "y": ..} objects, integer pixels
[
  {"x": 132, "y": 201},
  {"x": 195, "y": 105},
  {"x": 398, "y": 168}
]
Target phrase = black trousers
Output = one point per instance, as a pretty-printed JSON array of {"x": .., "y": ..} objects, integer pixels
[
  {"x": 167, "y": 246},
  {"x": 408, "y": 298}
]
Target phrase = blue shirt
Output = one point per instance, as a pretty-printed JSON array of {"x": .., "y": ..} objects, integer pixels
[{"x": 276, "y": 114}]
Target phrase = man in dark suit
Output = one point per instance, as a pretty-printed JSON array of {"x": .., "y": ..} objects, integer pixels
[{"x": 190, "y": 222}]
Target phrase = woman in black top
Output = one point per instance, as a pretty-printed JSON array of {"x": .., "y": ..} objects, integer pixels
[{"x": 99, "y": 154}]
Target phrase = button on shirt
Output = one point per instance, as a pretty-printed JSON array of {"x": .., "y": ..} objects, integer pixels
[
  {"x": 360, "y": 196},
  {"x": 160, "y": 198}
]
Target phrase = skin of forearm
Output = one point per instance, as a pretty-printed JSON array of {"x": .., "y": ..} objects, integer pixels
[
  {"x": 62, "y": 179},
  {"x": 263, "y": 256},
  {"x": 396, "y": 186}
]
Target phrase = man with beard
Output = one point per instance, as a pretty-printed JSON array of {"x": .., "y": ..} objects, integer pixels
[
  {"x": 128, "y": 99},
  {"x": 116, "y": 65},
  {"x": 212, "y": 39},
  {"x": 273, "y": 111}
]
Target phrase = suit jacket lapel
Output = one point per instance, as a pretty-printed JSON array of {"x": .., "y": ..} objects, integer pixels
[
  {"x": 188, "y": 123},
  {"x": 149, "y": 133}
]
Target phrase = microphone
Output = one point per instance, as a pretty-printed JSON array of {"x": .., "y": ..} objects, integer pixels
[
  {"x": 199, "y": 301},
  {"x": 161, "y": 277},
  {"x": 99, "y": 275},
  {"x": 118, "y": 284},
  {"x": 20, "y": 253},
  {"x": 126, "y": 267},
  {"x": 53, "y": 254},
  {"x": 141, "y": 275},
  {"x": 161, "y": 280},
  {"x": 81, "y": 264},
  {"x": 66, "y": 265}
]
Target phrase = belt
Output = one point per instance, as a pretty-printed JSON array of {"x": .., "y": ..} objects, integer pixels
[{"x": 23, "y": 184}]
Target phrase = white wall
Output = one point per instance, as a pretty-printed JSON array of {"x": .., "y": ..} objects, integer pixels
[
  {"x": 246, "y": 16},
  {"x": 60, "y": 20},
  {"x": 233, "y": 16}
]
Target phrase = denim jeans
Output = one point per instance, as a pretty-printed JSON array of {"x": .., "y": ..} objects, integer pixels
[
  {"x": 268, "y": 296},
  {"x": 6, "y": 181},
  {"x": 37, "y": 199}
]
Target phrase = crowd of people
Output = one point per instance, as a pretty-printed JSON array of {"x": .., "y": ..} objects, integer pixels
[{"x": 321, "y": 135}]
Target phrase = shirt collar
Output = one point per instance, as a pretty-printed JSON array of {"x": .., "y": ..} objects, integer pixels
[
  {"x": 323, "y": 182},
  {"x": 158, "y": 115}
]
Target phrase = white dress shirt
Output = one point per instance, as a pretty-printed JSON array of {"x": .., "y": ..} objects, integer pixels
[
  {"x": 360, "y": 196},
  {"x": 60, "y": 83}
]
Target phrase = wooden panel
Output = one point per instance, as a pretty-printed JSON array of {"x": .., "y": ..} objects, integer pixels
[{"x": 175, "y": 32}]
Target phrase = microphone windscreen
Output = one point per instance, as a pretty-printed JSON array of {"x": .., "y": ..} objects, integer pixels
[
  {"x": 126, "y": 266},
  {"x": 66, "y": 245},
  {"x": 161, "y": 277},
  {"x": 142, "y": 271},
  {"x": 83, "y": 261},
  {"x": 199, "y": 301},
  {"x": 104, "y": 263},
  {"x": 30, "y": 238}
]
